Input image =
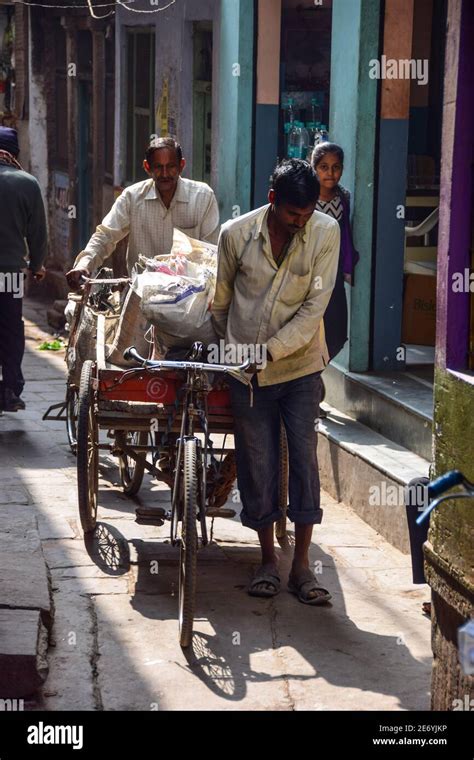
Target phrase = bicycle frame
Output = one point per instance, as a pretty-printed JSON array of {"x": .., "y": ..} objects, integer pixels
[{"x": 194, "y": 407}]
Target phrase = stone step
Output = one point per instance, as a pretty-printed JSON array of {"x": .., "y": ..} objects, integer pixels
[
  {"x": 397, "y": 405},
  {"x": 369, "y": 472},
  {"x": 24, "y": 582},
  {"x": 23, "y": 653},
  {"x": 26, "y": 606}
]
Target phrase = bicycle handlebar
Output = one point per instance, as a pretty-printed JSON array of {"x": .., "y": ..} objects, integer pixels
[
  {"x": 442, "y": 484},
  {"x": 445, "y": 482},
  {"x": 132, "y": 353}
]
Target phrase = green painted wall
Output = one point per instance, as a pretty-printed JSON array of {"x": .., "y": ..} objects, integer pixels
[
  {"x": 452, "y": 524},
  {"x": 353, "y": 124},
  {"x": 235, "y": 107}
]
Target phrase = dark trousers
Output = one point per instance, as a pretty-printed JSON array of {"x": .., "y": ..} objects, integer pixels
[
  {"x": 12, "y": 342},
  {"x": 257, "y": 437},
  {"x": 335, "y": 317},
  {"x": 418, "y": 533}
]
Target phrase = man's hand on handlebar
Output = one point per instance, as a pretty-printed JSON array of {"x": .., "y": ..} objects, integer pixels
[{"x": 74, "y": 277}]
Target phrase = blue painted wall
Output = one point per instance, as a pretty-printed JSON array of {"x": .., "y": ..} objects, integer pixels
[
  {"x": 390, "y": 247},
  {"x": 236, "y": 96},
  {"x": 353, "y": 124},
  {"x": 266, "y": 150}
]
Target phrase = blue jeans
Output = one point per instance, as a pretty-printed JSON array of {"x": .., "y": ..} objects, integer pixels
[{"x": 257, "y": 445}]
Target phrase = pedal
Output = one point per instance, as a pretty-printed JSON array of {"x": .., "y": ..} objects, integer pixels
[
  {"x": 156, "y": 521},
  {"x": 150, "y": 515},
  {"x": 221, "y": 512}
]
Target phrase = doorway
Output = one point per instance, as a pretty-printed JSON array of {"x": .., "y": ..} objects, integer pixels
[
  {"x": 202, "y": 100},
  {"x": 140, "y": 99},
  {"x": 422, "y": 192}
]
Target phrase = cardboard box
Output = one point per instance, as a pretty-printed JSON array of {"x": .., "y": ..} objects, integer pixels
[{"x": 419, "y": 310}]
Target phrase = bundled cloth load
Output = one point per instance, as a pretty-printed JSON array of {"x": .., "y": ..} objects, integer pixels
[
  {"x": 177, "y": 291},
  {"x": 131, "y": 330},
  {"x": 172, "y": 293}
]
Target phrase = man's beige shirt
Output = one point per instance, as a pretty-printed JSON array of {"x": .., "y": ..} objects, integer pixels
[
  {"x": 140, "y": 213},
  {"x": 258, "y": 302}
]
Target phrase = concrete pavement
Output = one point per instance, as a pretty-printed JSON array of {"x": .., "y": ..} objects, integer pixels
[{"x": 115, "y": 631}]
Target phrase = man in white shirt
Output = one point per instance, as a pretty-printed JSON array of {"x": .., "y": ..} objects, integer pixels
[
  {"x": 148, "y": 212},
  {"x": 277, "y": 269}
]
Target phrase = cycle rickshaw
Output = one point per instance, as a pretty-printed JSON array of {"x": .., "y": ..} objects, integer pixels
[{"x": 177, "y": 400}]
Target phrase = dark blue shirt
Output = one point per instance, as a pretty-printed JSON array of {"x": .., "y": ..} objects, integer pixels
[{"x": 23, "y": 234}]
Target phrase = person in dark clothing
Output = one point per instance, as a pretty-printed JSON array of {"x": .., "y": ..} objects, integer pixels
[
  {"x": 328, "y": 162},
  {"x": 22, "y": 237}
]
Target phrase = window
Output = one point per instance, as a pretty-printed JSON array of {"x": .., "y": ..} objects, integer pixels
[{"x": 140, "y": 98}]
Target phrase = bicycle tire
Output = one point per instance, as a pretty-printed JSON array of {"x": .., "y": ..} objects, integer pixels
[
  {"x": 72, "y": 398},
  {"x": 132, "y": 471},
  {"x": 189, "y": 545},
  {"x": 87, "y": 451}
]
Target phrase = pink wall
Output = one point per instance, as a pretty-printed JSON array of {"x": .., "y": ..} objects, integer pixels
[{"x": 268, "y": 56}]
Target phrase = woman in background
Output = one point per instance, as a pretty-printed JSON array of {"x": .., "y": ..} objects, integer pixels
[{"x": 328, "y": 162}]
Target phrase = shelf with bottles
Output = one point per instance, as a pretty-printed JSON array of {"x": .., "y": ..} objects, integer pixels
[{"x": 302, "y": 134}]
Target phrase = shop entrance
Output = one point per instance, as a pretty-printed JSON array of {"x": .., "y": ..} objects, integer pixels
[{"x": 422, "y": 193}]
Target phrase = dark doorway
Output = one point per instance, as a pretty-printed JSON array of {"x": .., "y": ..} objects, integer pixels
[
  {"x": 202, "y": 100},
  {"x": 140, "y": 98}
]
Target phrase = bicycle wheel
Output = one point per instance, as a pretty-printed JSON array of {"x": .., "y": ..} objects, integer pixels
[
  {"x": 132, "y": 470},
  {"x": 87, "y": 451},
  {"x": 72, "y": 398},
  {"x": 280, "y": 526},
  {"x": 188, "y": 550}
]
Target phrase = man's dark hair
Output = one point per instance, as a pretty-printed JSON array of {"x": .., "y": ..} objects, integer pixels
[
  {"x": 164, "y": 142},
  {"x": 322, "y": 149},
  {"x": 295, "y": 182}
]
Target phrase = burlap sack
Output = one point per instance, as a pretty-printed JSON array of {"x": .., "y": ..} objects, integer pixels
[{"x": 130, "y": 331}]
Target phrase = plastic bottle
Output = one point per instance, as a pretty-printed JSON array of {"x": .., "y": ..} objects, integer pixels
[
  {"x": 315, "y": 142},
  {"x": 324, "y": 133},
  {"x": 305, "y": 141},
  {"x": 289, "y": 119},
  {"x": 289, "y": 113},
  {"x": 312, "y": 125},
  {"x": 295, "y": 140}
]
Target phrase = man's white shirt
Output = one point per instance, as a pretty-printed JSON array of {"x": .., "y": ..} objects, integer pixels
[{"x": 140, "y": 213}]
